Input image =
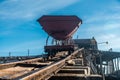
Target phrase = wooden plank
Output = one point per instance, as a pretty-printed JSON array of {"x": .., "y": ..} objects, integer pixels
[
  {"x": 75, "y": 75},
  {"x": 49, "y": 71}
]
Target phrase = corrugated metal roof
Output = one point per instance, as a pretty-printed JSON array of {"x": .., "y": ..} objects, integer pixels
[
  {"x": 107, "y": 55},
  {"x": 82, "y": 41}
]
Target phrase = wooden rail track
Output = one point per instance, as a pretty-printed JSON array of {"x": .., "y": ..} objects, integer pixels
[
  {"x": 34, "y": 69},
  {"x": 60, "y": 67},
  {"x": 51, "y": 70}
]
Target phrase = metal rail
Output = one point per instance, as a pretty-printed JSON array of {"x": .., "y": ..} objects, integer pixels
[
  {"x": 51, "y": 70},
  {"x": 34, "y": 69}
]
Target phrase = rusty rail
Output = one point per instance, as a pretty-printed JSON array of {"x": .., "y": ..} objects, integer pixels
[{"x": 50, "y": 70}]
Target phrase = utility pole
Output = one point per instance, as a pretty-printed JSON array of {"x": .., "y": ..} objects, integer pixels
[
  {"x": 77, "y": 36},
  {"x": 28, "y": 52},
  {"x": 9, "y": 54}
]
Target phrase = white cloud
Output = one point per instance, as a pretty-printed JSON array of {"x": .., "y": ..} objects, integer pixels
[
  {"x": 103, "y": 22},
  {"x": 109, "y": 12},
  {"x": 32, "y": 44},
  {"x": 105, "y": 26},
  {"x": 107, "y": 37},
  {"x": 113, "y": 42},
  {"x": 36, "y": 47},
  {"x": 102, "y": 17},
  {"x": 111, "y": 26},
  {"x": 29, "y": 9},
  {"x": 14, "y": 13},
  {"x": 5, "y": 33},
  {"x": 108, "y": 21}
]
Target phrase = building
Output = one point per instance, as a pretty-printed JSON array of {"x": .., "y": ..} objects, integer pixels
[{"x": 90, "y": 44}]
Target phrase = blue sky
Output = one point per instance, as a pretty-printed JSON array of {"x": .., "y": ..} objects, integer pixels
[{"x": 20, "y": 31}]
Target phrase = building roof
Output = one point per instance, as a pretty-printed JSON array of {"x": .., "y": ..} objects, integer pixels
[
  {"x": 107, "y": 55},
  {"x": 84, "y": 41}
]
